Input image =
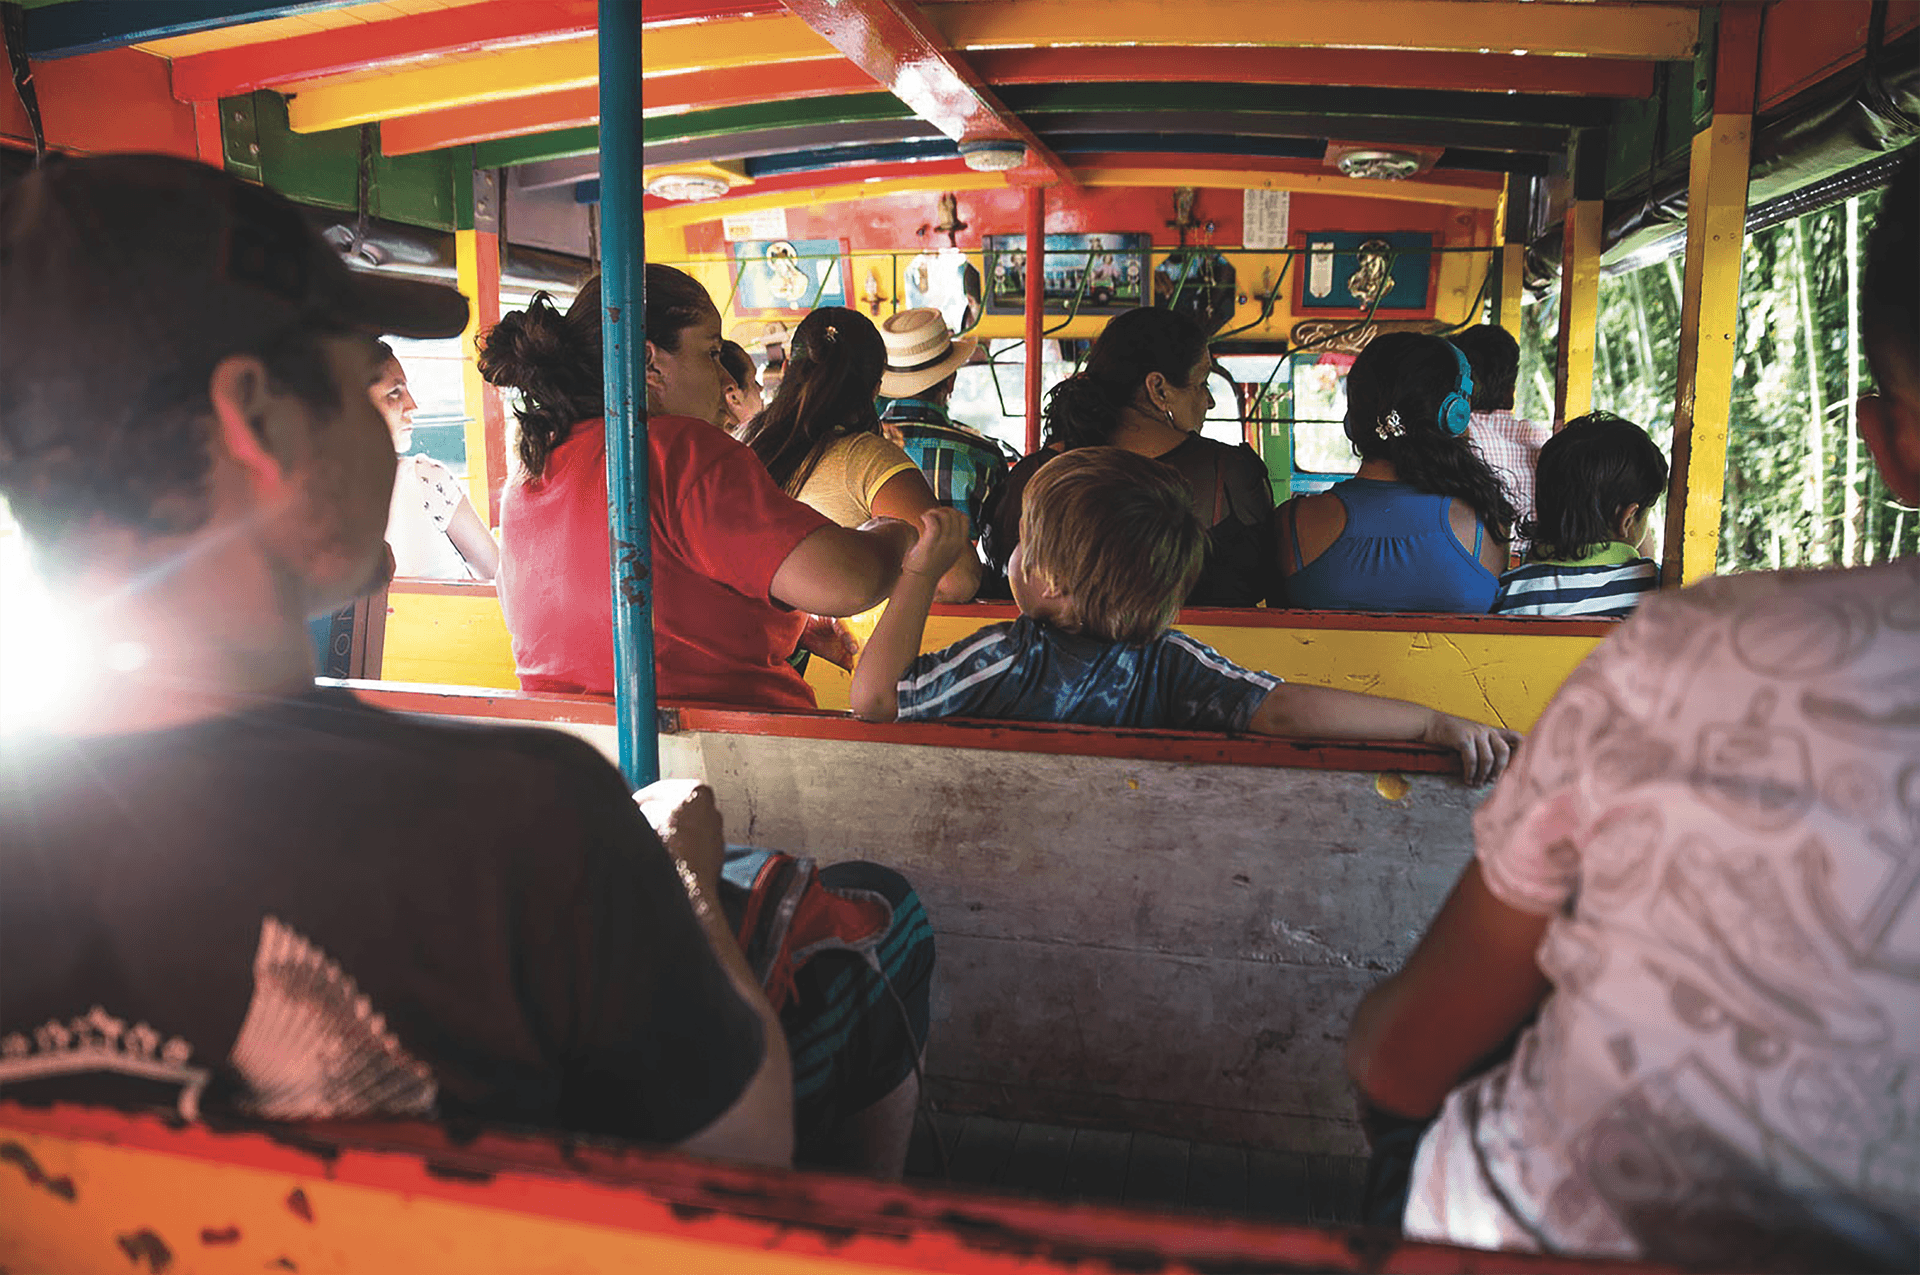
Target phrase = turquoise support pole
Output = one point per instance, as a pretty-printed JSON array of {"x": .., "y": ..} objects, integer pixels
[{"x": 623, "y": 328}]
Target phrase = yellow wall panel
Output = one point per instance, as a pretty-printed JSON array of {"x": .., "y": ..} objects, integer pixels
[{"x": 458, "y": 639}]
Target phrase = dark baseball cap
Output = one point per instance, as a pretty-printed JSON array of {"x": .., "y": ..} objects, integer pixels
[{"x": 115, "y": 267}]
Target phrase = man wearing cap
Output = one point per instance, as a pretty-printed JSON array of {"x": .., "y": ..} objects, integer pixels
[
  {"x": 922, "y": 361},
  {"x": 227, "y": 890}
]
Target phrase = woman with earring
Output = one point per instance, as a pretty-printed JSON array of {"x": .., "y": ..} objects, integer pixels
[
  {"x": 431, "y": 525},
  {"x": 1424, "y": 524},
  {"x": 1144, "y": 390},
  {"x": 737, "y": 565}
]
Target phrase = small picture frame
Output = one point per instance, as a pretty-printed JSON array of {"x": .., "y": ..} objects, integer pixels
[
  {"x": 776, "y": 277},
  {"x": 1360, "y": 273},
  {"x": 1104, "y": 273}
]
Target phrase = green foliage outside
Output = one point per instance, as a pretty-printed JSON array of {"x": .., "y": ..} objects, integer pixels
[{"x": 1801, "y": 489}]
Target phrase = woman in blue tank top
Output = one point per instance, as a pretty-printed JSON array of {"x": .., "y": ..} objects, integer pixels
[{"x": 1424, "y": 525}]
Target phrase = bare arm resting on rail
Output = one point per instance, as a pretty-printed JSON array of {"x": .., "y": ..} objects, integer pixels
[
  {"x": 758, "y": 1127},
  {"x": 843, "y": 570},
  {"x": 1324, "y": 712}
]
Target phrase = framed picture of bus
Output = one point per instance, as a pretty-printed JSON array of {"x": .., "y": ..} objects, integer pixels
[
  {"x": 1103, "y": 273},
  {"x": 774, "y": 277}
]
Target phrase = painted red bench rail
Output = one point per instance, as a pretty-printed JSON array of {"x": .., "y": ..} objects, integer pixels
[
  {"x": 1028, "y": 737},
  {"x": 69, "y": 1166}
]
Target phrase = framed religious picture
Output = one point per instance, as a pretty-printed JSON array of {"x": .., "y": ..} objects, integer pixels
[
  {"x": 788, "y": 276},
  {"x": 1103, "y": 273},
  {"x": 1376, "y": 272}
]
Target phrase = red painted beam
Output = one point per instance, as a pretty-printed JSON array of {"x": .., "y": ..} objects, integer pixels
[
  {"x": 663, "y": 12},
  {"x": 746, "y": 85},
  {"x": 892, "y": 41},
  {"x": 1469, "y": 72},
  {"x": 468, "y": 29},
  {"x": 490, "y": 121},
  {"x": 113, "y": 100},
  {"x": 1050, "y": 739}
]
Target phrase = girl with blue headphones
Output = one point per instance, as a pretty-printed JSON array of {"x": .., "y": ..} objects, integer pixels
[{"x": 1424, "y": 525}]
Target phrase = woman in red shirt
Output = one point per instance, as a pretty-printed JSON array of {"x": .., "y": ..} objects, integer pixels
[{"x": 736, "y": 563}]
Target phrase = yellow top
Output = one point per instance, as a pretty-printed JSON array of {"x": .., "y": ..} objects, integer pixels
[{"x": 854, "y": 469}]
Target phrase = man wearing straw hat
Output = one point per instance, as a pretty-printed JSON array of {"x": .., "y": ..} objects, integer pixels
[{"x": 922, "y": 360}]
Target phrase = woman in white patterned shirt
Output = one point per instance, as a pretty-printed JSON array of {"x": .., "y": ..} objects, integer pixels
[{"x": 431, "y": 525}]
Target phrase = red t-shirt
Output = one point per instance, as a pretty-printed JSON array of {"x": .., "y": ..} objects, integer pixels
[{"x": 721, "y": 529}]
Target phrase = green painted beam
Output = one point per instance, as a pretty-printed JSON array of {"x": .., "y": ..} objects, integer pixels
[
  {"x": 1260, "y": 99},
  {"x": 536, "y": 148},
  {"x": 1681, "y": 105},
  {"x": 323, "y": 169},
  {"x": 856, "y": 108}
]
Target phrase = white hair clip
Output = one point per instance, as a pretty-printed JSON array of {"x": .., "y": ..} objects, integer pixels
[{"x": 1390, "y": 426}]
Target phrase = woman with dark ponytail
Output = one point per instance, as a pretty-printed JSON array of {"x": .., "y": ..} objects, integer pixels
[
  {"x": 735, "y": 562},
  {"x": 821, "y": 439},
  {"x": 1424, "y": 525},
  {"x": 1144, "y": 390}
]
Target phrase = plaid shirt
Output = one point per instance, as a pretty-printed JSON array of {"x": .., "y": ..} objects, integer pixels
[
  {"x": 957, "y": 461},
  {"x": 1511, "y": 448}
]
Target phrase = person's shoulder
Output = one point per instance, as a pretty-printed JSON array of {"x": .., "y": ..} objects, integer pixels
[
  {"x": 1184, "y": 647},
  {"x": 485, "y": 761},
  {"x": 985, "y": 644},
  {"x": 865, "y": 448}
]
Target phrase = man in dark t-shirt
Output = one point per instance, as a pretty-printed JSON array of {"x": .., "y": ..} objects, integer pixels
[{"x": 224, "y": 889}]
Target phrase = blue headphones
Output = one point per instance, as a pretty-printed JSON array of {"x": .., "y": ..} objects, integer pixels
[{"x": 1456, "y": 409}]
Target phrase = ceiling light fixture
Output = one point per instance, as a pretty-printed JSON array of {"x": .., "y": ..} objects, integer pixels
[
  {"x": 688, "y": 186},
  {"x": 1379, "y": 165},
  {"x": 993, "y": 155}
]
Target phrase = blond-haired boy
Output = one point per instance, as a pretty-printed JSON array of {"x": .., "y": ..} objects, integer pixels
[{"x": 1109, "y": 545}]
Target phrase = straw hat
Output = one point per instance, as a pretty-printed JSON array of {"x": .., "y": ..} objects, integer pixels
[{"x": 920, "y": 352}]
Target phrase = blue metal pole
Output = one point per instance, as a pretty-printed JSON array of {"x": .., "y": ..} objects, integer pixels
[{"x": 623, "y": 329}]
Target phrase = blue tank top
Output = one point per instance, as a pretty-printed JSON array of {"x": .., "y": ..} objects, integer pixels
[{"x": 1397, "y": 553}]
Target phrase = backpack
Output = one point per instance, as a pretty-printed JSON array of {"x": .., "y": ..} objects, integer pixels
[{"x": 783, "y": 917}]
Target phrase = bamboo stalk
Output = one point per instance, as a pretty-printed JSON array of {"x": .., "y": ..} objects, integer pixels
[
  {"x": 1820, "y": 540},
  {"x": 1854, "y": 550}
]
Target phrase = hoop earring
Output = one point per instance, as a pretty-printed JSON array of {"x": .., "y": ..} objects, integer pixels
[{"x": 1170, "y": 421}]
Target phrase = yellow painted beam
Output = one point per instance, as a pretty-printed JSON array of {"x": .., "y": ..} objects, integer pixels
[
  {"x": 1645, "y": 32},
  {"x": 681, "y": 215},
  {"x": 486, "y": 77},
  {"x": 1709, "y": 321},
  {"x": 473, "y": 390},
  {"x": 1513, "y": 281},
  {"x": 707, "y": 46},
  {"x": 1579, "y": 309},
  {"x": 1330, "y": 183}
]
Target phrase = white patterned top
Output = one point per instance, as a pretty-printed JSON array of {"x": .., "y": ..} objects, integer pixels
[
  {"x": 1721, "y": 810},
  {"x": 425, "y": 496}
]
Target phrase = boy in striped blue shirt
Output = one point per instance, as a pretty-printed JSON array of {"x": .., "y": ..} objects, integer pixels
[
  {"x": 1109, "y": 545},
  {"x": 1597, "y": 482}
]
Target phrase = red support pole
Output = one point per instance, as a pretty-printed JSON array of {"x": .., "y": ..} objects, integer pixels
[{"x": 1036, "y": 296}]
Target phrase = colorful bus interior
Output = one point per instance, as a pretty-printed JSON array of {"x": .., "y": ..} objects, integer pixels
[{"x": 1151, "y": 942}]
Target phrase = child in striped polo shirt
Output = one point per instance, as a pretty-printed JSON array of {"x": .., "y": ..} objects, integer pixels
[
  {"x": 1597, "y": 482},
  {"x": 1109, "y": 545}
]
